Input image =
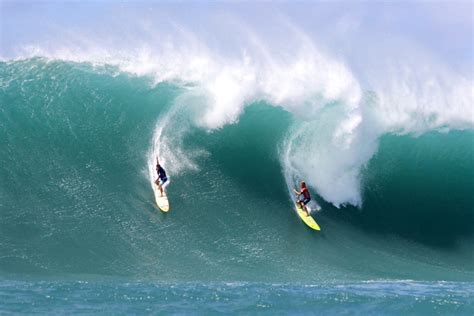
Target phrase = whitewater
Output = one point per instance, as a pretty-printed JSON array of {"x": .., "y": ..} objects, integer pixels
[{"x": 381, "y": 130}]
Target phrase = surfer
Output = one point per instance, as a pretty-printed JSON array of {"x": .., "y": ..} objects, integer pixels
[
  {"x": 303, "y": 197},
  {"x": 162, "y": 181}
]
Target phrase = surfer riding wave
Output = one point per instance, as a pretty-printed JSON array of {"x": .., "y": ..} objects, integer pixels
[
  {"x": 162, "y": 181},
  {"x": 303, "y": 197}
]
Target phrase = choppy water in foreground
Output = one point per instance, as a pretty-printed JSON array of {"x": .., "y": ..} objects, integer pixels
[{"x": 364, "y": 298}]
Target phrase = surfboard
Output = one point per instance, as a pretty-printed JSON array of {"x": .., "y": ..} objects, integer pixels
[
  {"x": 307, "y": 219},
  {"x": 161, "y": 201}
]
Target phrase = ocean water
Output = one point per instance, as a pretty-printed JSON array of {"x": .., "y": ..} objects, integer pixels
[
  {"x": 371, "y": 103},
  {"x": 393, "y": 298},
  {"x": 79, "y": 231}
]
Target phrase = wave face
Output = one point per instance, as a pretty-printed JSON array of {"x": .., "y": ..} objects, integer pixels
[{"x": 77, "y": 152}]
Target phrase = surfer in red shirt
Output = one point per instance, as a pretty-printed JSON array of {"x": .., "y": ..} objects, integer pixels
[{"x": 303, "y": 197}]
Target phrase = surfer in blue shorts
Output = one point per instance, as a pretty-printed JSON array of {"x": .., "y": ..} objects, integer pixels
[
  {"x": 303, "y": 197},
  {"x": 162, "y": 181}
]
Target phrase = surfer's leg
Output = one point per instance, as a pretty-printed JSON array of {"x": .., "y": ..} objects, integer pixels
[
  {"x": 160, "y": 186},
  {"x": 306, "y": 210},
  {"x": 304, "y": 202},
  {"x": 165, "y": 184},
  {"x": 300, "y": 203}
]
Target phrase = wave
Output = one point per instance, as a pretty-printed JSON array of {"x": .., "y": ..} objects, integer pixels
[
  {"x": 337, "y": 123},
  {"x": 346, "y": 89},
  {"x": 234, "y": 131}
]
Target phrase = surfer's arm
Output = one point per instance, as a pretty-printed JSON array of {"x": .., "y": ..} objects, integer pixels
[{"x": 297, "y": 193}]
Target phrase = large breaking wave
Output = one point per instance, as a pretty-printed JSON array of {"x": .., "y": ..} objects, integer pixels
[{"x": 236, "y": 125}]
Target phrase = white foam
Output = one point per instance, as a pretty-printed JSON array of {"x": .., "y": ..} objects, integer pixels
[{"x": 168, "y": 136}]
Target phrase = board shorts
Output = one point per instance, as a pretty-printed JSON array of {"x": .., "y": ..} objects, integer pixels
[
  {"x": 304, "y": 200},
  {"x": 164, "y": 183}
]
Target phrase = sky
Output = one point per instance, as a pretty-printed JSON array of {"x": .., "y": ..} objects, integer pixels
[{"x": 445, "y": 28}]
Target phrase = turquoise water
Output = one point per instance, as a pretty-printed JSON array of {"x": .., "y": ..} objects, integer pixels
[
  {"x": 79, "y": 226},
  {"x": 405, "y": 297}
]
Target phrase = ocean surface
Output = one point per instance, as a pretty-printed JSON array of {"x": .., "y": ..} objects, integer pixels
[{"x": 80, "y": 233}]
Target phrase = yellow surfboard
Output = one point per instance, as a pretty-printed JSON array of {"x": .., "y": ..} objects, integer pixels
[
  {"x": 161, "y": 201},
  {"x": 307, "y": 219}
]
